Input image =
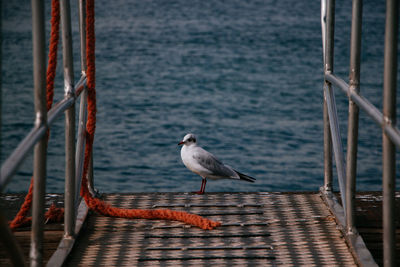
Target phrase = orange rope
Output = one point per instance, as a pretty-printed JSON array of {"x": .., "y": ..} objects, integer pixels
[
  {"x": 20, "y": 219},
  {"x": 56, "y": 214},
  {"x": 53, "y": 48}
]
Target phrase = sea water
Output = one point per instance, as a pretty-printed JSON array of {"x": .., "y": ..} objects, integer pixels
[{"x": 244, "y": 76}]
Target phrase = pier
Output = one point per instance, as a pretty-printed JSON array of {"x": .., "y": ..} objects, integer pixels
[
  {"x": 258, "y": 229},
  {"x": 331, "y": 227}
]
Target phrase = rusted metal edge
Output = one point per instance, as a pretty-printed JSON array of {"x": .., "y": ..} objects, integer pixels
[
  {"x": 66, "y": 244},
  {"x": 355, "y": 242}
]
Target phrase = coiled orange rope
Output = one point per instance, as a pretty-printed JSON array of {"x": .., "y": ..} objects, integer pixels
[{"x": 56, "y": 214}]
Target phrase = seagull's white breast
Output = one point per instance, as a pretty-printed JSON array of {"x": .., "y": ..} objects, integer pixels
[{"x": 187, "y": 153}]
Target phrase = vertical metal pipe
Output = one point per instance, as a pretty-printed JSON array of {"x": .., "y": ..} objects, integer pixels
[
  {"x": 330, "y": 31},
  {"x": 80, "y": 146},
  {"x": 323, "y": 27},
  {"x": 388, "y": 148},
  {"x": 330, "y": 100},
  {"x": 90, "y": 177},
  {"x": 327, "y": 150},
  {"x": 82, "y": 110},
  {"x": 328, "y": 67},
  {"x": 69, "y": 220},
  {"x": 82, "y": 31},
  {"x": 327, "y": 131},
  {"x": 336, "y": 142},
  {"x": 39, "y": 162},
  {"x": 352, "y": 129}
]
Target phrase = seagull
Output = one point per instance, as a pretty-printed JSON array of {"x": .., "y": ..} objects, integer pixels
[{"x": 206, "y": 164}]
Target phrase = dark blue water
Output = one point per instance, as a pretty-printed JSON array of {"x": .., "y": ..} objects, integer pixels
[{"x": 244, "y": 76}]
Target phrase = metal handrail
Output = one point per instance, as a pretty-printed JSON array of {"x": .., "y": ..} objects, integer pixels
[
  {"x": 12, "y": 163},
  {"x": 385, "y": 119},
  {"x": 75, "y": 212},
  {"x": 390, "y": 129}
]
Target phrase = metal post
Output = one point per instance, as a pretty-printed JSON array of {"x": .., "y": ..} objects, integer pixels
[
  {"x": 327, "y": 131},
  {"x": 69, "y": 220},
  {"x": 82, "y": 19},
  {"x": 330, "y": 100},
  {"x": 39, "y": 164},
  {"x": 352, "y": 129},
  {"x": 336, "y": 141},
  {"x": 82, "y": 110},
  {"x": 330, "y": 30},
  {"x": 80, "y": 146},
  {"x": 327, "y": 151},
  {"x": 90, "y": 177},
  {"x": 82, "y": 31},
  {"x": 328, "y": 67},
  {"x": 388, "y": 148}
]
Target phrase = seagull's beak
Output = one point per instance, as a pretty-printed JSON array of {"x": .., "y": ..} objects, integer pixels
[{"x": 181, "y": 143}]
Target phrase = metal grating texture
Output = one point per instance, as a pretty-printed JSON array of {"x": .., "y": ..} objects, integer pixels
[{"x": 259, "y": 229}]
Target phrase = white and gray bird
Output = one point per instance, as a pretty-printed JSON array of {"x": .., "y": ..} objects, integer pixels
[{"x": 206, "y": 164}]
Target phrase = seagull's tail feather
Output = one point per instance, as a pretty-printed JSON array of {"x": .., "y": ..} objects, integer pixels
[{"x": 245, "y": 177}]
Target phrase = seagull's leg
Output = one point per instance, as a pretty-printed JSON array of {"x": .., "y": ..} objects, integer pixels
[
  {"x": 202, "y": 188},
  {"x": 203, "y": 185}
]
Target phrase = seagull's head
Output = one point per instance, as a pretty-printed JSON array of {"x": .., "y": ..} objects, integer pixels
[{"x": 188, "y": 140}]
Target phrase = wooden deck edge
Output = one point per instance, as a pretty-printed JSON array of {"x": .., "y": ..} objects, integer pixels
[
  {"x": 355, "y": 242},
  {"x": 66, "y": 244}
]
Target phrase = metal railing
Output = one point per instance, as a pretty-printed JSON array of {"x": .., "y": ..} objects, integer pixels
[
  {"x": 75, "y": 209},
  {"x": 386, "y": 120}
]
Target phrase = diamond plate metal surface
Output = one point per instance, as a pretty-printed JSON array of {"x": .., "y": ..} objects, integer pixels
[{"x": 258, "y": 229}]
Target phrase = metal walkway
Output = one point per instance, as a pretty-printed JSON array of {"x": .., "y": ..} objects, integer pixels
[{"x": 259, "y": 229}]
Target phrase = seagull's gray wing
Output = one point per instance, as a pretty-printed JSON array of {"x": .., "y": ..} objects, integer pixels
[{"x": 215, "y": 167}]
